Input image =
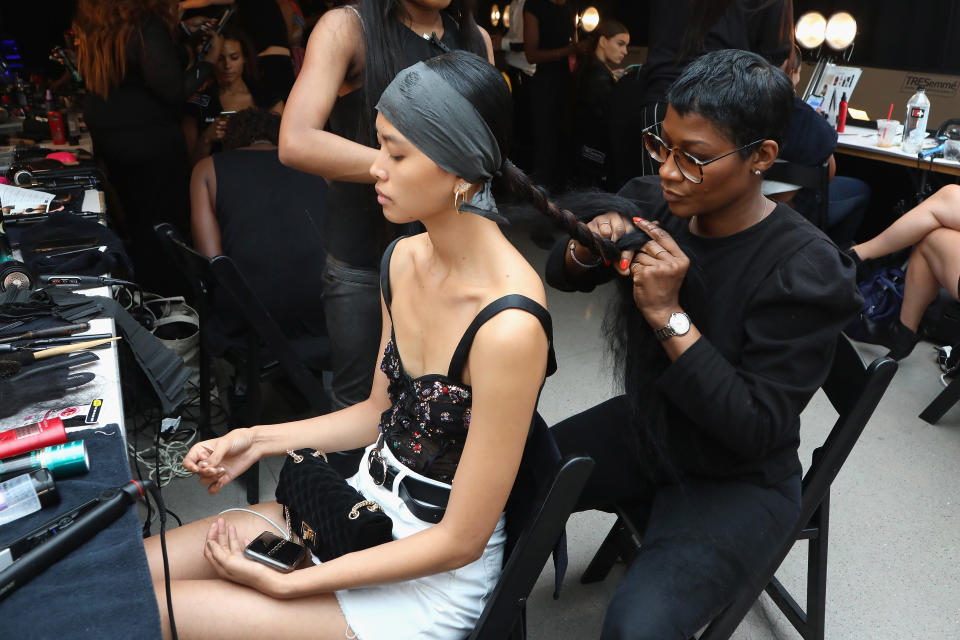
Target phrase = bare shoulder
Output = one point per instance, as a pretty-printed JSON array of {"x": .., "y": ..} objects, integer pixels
[
  {"x": 204, "y": 169},
  {"x": 345, "y": 17},
  {"x": 340, "y": 28},
  {"x": 512, "y": 345},
  {"x": 487, "y": 43},
  {"x": 520, "y": 277},
  {"x": 404, "y": 254}
]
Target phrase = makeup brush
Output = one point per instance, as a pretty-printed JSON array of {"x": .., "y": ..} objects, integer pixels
[
  {"x": 49, "y": 332},
  {"x": 26, "y": 357}
]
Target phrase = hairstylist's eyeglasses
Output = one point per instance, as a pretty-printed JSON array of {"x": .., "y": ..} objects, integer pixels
[{"x": 691, "y": 168}]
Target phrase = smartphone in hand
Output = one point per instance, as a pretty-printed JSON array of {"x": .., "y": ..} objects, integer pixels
[{"x": 276, "y": 552}]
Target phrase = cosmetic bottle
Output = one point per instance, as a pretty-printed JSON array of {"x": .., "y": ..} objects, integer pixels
[{"x": 25, "y": 494}]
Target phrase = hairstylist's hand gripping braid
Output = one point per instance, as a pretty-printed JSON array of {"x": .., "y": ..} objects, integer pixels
[{"x": 658, "y": 270}]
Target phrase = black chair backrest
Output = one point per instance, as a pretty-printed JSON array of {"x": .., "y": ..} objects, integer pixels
[
  {"x": 205, "y": 274},
  {"x": 542, "y": 530},
  {"x": 854, "y": 391},
  {"x": 816, "y": 178}
]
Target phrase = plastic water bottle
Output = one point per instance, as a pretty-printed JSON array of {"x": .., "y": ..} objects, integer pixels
[{"x": 915, "y": 122}]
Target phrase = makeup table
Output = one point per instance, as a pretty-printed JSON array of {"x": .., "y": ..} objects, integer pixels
[
  {"x": 862, "y": 143},
  {"x": 102, "y": 589}
]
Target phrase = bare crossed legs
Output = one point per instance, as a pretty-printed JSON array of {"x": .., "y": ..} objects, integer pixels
[{"x": 933, "y": 229}]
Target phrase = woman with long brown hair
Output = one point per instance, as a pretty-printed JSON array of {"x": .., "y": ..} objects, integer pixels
[{"x": 138, "y": 81}]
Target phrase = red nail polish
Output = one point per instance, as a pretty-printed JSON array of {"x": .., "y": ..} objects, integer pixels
[
  {"x": 606, "y": 263},
  {"x": 624, "y": 263},
  {"x": 638, "y": 220}
]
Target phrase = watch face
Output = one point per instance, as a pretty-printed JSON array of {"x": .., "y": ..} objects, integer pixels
[{"x": 680, "y": 323}]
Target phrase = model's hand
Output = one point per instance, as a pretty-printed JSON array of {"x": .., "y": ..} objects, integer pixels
[
  {"x": 216, "y": 462},
  {"x": 224, "y": 551},
  {"x": 658, "y": 270}
]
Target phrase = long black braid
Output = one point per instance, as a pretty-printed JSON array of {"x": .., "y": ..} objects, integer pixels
[{"x": 579, "y": 207}]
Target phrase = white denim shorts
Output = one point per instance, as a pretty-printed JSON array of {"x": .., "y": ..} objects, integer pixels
[{"x": 441, "y": 606}]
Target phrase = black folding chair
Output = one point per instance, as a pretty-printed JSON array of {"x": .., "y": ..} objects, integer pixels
[
  {"x": 266, "y": 350},
  {"x": 816, "y": 178},
  {"x": 504, "y": 616},
  {"x": 942, "y": 403},
  {"x": 854, "y": 391}
]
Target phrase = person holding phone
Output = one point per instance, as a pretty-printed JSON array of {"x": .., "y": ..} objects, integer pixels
[
  {"x": 725, "y": 326},
  {"x": 456, "y": 424},
  {"x": 237, "y": 87}
]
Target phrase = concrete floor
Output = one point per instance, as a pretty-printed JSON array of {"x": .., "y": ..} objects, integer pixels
[{"x": 894, "y": 560}]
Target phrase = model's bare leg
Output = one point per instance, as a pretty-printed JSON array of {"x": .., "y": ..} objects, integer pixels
[
  {"x": 919, "y": 289},
  {"x": 210, "y": 609},
  {"x": 941, "y": 210},
  {"x": 934, "y": 263}
]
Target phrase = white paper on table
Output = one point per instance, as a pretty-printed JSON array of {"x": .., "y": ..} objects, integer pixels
[
  {"x": 15, "y": 200},
  {"x": 92, "y": 201}
]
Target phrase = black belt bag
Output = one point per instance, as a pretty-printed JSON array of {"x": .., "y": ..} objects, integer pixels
[{"x": 426, "y": 501}]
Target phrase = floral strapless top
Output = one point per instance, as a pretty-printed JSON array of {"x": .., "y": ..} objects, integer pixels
[{"x": 427, "y": 422}]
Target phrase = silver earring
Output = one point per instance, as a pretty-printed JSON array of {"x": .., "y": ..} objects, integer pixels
[{"x": 756, "y": 171}]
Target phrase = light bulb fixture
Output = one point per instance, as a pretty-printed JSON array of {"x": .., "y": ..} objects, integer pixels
[
  {"x": 590, "y": 19},
  {"x": 841, "y": 30},
  {"x": 495, "y": 15},
  {"x": 811, "y": 30},
  {"x": 506, "y": 16}
]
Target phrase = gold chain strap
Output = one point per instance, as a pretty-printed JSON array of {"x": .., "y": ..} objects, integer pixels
[
  {"x": 371, "y": 505},
  {"x": 297, "y": 458}
]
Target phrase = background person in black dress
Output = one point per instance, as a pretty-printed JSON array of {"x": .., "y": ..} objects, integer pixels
[
  {"x": 595, "y": 82},
  {"x": 548, "y": 31},
  {"x": 726, "y": 327},
  {"x": 138, "y": 82}
]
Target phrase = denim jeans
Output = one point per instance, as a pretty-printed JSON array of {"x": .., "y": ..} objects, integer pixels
[{"x": 351, "y": 303}]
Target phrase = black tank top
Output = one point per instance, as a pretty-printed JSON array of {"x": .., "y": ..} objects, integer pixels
[
  {"x": 271, "y": 228},
  {"x": 355, "y": 229},
  {"x": 426, "y": 425}
]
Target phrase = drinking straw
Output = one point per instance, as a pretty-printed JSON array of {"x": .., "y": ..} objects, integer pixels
[{"x": 883, "y": 134}]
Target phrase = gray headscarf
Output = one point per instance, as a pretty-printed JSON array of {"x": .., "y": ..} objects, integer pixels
[{"x": 443, "y": 124}]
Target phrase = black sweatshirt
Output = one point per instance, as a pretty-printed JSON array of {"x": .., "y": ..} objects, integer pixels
[{"x": 776, "y": 296}]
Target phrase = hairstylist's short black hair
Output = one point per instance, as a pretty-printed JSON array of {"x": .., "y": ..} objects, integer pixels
[
  {"x": 744, "y": 96},
  {"x": 250, "y": 125},
  {"x": 483, "y": 86}
]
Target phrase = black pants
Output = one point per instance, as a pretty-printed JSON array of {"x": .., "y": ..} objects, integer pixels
[{"x": 704, "y": 538}]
